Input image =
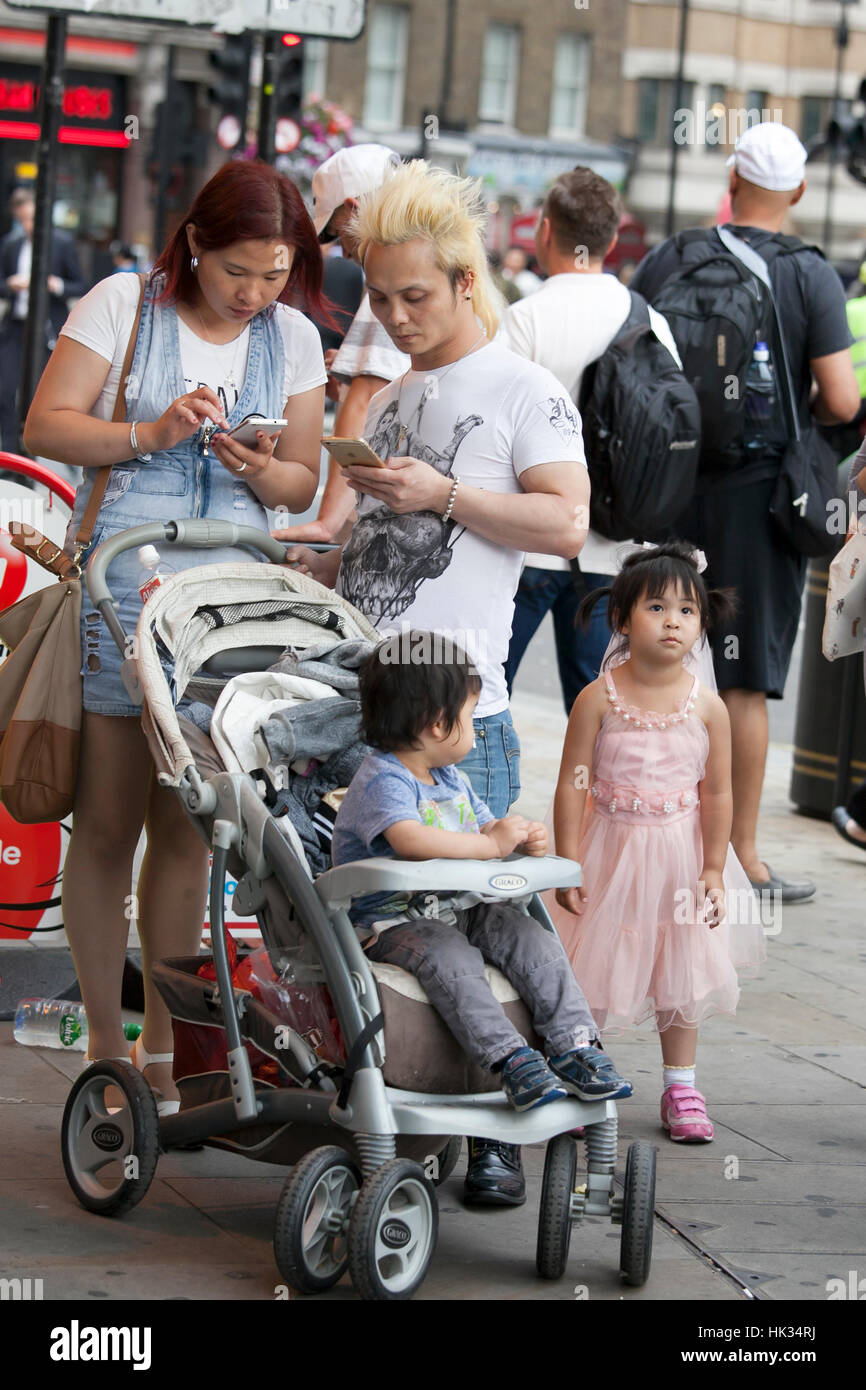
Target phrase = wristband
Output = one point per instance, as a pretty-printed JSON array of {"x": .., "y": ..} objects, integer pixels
[
  {"x": 446, "y": 515},
  {"x": 133, "y": 442}
]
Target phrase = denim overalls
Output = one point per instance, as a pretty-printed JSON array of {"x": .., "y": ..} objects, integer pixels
[{"x": 177, "y": 483}]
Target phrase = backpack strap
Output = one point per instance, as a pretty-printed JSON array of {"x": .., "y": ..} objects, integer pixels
[{"x": 638, "y": 313}]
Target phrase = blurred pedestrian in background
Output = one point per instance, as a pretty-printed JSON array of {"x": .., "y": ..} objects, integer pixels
[
  {"x": 515, "y": 267},
  {"x": 569, "y": 323},
  {"x": 65, "y": 282},
  {"x": 367, "y": 359}
]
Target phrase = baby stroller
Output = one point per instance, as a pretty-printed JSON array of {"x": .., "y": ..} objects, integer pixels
[{"x": 367, "y": 1134}]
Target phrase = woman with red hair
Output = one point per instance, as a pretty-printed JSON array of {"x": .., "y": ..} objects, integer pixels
[{"x": 217, "y": 341}]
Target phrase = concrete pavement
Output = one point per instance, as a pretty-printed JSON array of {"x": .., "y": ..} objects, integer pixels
[{"x": 773, "y": 1209}]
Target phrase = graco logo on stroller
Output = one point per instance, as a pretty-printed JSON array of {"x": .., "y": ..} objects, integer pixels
[
  {"x": 107, "y": 1137},
  {"x": 395, "y": 1235},
  {"x": 507, "y": 882}
]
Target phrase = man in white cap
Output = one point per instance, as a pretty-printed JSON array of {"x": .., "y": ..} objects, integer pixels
[
  {"x": 729, "y": 516},
  {"x": 367, "y": 359}
]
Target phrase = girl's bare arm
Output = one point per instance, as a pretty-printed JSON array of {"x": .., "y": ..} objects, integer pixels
[
  {"x": 575, "y": 773},
  {"x": 715, "y": 789}
]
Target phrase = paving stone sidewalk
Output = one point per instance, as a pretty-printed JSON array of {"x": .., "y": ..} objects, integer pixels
[{"x": 777, "y": 1205}]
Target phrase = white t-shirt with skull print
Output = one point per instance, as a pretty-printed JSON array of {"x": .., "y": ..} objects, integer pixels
[{"x": 485, "y": 420}]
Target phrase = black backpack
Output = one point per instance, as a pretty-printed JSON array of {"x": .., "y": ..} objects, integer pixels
[
  {"x": 717, "y": 309},
  {"x": 642, "y": 430}
]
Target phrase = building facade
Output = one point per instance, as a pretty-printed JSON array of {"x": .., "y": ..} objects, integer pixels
[
  {"x": 746, "y": 60},
  {"x": 512, "y": 93}
]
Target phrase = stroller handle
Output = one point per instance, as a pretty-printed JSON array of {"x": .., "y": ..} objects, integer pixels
[{"x": 200, "y": 532}]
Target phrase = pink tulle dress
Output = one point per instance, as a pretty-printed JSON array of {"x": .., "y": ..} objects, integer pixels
[{"x": 641, "y": 949}]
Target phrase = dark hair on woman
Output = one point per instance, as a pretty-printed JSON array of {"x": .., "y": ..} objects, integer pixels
[
  {"x": 408, "y": 683},
  {"x": 651, "y": 572},
  {"x": 248, "y": 200}
]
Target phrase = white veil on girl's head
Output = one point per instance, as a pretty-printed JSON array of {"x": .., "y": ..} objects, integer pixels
[{"x": 699, "y": 660}]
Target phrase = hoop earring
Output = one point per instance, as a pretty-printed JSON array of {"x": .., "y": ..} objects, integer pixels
[{"x": 193, "y": 265}]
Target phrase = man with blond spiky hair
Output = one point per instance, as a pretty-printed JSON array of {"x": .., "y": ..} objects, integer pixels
[{"x": 483, "y": 461}]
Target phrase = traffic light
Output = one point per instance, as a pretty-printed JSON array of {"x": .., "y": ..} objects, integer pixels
[
  {"x": 289, "y": 76},
  {"x": 231, "y": 87},
  {"x": 848, "y": 134}
]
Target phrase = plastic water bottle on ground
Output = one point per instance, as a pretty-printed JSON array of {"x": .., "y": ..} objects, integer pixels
[
  {"x": 154, "y": 571},
  {"x": 57, "y": 1023},
  {"x": 760, "y": 401}
]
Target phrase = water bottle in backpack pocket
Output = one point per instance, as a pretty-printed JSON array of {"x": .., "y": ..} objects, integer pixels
[{"x": 760, "y": 406}]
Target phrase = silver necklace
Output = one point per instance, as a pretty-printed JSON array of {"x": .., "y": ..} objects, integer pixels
[
  {"x": 230, "y": 382},
  {"x": 432, "y": 385}
]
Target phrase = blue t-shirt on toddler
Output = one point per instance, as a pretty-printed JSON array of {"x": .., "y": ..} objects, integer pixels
[{"x": 383, "y": 792}]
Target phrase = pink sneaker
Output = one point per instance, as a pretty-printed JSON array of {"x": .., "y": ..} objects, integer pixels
[{"x": 684, "y": 1115}]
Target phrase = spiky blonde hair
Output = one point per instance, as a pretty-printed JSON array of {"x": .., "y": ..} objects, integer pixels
[{"x": 419, "y": 200}]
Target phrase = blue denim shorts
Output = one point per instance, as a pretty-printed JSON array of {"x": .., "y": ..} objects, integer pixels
[{"x": 493, "y": 766}]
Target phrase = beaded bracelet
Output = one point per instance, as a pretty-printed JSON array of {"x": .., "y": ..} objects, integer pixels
[{"x": 446, "y": 515}]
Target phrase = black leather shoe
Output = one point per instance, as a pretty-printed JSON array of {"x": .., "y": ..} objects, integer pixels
[
  {"x": 494, "y": 1177},
  {"x": 839, "y": 820}
]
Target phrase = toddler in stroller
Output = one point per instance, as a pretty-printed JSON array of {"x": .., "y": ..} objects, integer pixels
[
  {"x": 359, "y": 1130},
  {"x": 409, "y": 800}
]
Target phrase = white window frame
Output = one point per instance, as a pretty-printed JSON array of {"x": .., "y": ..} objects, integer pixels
[
  {"x": 503, "y": 114},
  {"x": 315, "y": 74},
  {"x": 396, "y": 67},
  {"x": 579, "y": 45}
]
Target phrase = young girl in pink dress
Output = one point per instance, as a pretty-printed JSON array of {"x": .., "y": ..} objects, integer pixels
[{"x": 643, "y": 803}]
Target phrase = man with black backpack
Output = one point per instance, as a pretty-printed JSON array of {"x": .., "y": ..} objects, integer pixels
[
  {"x": 760, "y": 323},
  {"x": 567, "y": 325}
]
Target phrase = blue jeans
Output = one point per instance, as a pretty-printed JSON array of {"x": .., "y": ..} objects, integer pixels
[
  {"x": 578, "y": 654},
  {"x": 493, "y": 766}
]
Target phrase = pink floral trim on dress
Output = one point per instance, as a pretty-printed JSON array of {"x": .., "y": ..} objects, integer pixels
[
  {"x": 649, "y": 718},
  {"x": 613, "y": 797}
]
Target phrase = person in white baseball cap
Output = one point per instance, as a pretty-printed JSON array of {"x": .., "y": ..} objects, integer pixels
[
  {"x": 770, "y": 156},
  {"x": 341, "y": 181},
  {"x": 367, "y": 359},
  {"x": 729, "y": 516}
]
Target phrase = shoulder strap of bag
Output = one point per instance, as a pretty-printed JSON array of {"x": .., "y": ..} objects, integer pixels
[
  {"x": 758, "y": 266},
  {"x": 94, "y": 502},
  {"x": 32, "y": 542}
]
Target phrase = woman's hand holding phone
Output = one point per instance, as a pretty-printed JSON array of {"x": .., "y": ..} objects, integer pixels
[{"x": 246, "y": 459}]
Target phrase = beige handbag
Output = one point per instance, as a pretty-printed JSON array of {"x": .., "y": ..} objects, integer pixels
[
  {"x": 845, "y": 621},
  {"x": 40, "y": 681}
]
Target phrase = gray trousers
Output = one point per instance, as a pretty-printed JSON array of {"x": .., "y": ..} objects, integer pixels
[{"x": 449, "y": 961}]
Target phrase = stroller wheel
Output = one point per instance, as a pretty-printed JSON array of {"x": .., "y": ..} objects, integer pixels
[
  {"x": 554, "y": 1212},
  {"x": 635, "y": 1251},
  {"x": 448, "y": 1159},
  {"x": 110, "y": 1156},
  {"x": 313, "y": 1218},
  {"x": 392, "y": 1233}
]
